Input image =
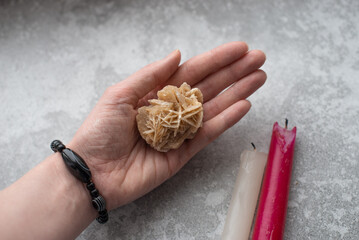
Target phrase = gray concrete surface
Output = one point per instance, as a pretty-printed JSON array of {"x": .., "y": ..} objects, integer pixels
[{"x": 57, "y": 58}]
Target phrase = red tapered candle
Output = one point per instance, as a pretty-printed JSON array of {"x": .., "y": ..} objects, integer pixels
[{"x": 272, "y": 208}]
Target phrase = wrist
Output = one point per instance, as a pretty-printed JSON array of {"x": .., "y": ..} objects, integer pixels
[
  {"x": 73, "y": 192},
  {"x": 98, "y": 177},
  {"x": 80, "y": 170}
]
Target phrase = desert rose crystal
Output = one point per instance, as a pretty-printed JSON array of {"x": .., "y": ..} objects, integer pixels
[{"x": 172, "y": 118}]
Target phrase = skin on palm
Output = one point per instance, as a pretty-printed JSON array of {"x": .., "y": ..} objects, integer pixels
[{"x": 124, "y": 167}]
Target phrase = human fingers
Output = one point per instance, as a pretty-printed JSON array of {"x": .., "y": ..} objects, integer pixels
[
  {"x": 214, "y": 127},
  {"x": 198, "y": 67},
  {"x": 240, "y": 90},
  {"x": 145, "y": 80},
  {"x": 217, "y": 82}
]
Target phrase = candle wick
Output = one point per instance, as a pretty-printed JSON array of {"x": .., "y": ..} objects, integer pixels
[
  {"x": 286, "y": 123},
  {"x": 254, "y": 146}
]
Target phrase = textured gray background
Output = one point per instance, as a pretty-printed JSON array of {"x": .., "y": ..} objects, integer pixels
[{"x": 56, "y": 59}]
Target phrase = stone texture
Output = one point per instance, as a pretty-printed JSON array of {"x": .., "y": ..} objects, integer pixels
[{"x": 57, "y": 58}]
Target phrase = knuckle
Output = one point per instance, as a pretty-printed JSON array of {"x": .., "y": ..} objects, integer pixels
[{"x": 109, "y": 91}]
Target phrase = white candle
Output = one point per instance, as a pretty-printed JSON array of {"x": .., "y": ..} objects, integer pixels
[{"x": 245, "y": 195}]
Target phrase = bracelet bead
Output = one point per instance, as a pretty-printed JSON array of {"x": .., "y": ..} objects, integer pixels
[
  {"x": 90, "y": 186},
  {"x": 57, "y": 146},
  {"x": 102, "y": 213},
  {"x": 94, "y": 193},
  {"x": 99, "y": 203},
  {"x": 102, "y": 219}
]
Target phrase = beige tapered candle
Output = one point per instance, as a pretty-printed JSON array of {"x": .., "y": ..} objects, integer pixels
[{"x": 245, "y": 195}]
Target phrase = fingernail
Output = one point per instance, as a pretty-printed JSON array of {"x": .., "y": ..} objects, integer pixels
[{"x": 175, "y": 52}]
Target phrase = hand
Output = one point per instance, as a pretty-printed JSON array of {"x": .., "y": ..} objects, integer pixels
[{"x": 123, "y": 166}]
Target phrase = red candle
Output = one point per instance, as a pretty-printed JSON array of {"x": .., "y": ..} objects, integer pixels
[{"x": 273, "y": 201}]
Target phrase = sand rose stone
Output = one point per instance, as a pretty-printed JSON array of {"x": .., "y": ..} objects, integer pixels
[{"x": 172, "y": 118}]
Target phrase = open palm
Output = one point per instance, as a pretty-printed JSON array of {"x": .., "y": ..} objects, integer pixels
[{"x": 123, "y": 166}]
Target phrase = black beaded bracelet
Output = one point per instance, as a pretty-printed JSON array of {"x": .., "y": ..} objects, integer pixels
[{"x": 81, "y": 171}]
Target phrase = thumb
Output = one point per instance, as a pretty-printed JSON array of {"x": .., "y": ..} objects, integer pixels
[{"x": 152, "y": 75}]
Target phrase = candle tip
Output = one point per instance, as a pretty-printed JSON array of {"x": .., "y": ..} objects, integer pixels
[
  {"x": 254, "y": 146},
  {"x": 286, "y": 123}
]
